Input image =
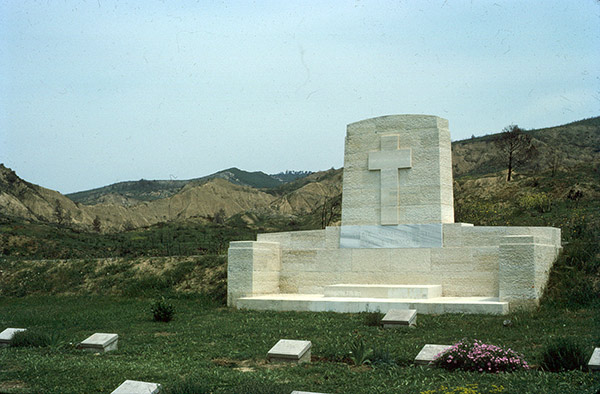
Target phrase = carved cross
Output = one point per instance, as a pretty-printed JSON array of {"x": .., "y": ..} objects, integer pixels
[{"x": 389, "y": 160}]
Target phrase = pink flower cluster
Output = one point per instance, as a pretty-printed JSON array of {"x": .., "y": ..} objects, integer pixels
[{"x": 479, "y": 357}]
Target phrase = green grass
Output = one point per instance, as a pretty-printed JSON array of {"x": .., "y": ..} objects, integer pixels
[{"x": 209, "y": 348}]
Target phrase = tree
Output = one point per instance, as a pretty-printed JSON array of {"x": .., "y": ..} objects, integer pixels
[
  {"x": 96, "y": 224},
  {"x": 514, "y": 147},
  {"x": 555, "y": 158},
  {"x": 329, "y": 209},
  {"x": 219, "y": 217}
]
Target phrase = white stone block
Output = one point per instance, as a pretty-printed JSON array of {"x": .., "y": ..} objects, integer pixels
[
  {"x": 7, "y": 335},
  {"x": 137, "y": 387},
  {"x": 428, "y": 353},
  {"x": 100, "y": 342},
  {"x": 399, "y": 317},
  {"x": 410, "y": 260},
  {"x": 383, "y": 291},
  {"x": 290, "y": 350},
  {"x": 305, "y": 392},
  {"x": 392, "y": 237},
  {"x": 594, "y": 363}
]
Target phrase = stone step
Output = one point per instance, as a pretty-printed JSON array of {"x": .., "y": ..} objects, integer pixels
[
  {"x": 384, "y": 291},
  {"x": 320, "y": 303}
]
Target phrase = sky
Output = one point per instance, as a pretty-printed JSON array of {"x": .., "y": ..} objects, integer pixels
[{"x": 97, "y": 92}]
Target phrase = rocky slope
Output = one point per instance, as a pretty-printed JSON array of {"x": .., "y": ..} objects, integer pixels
[{"x": 199, "y": 201}]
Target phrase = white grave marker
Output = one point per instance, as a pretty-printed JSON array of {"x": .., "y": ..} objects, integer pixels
[
  {"x": 428, "y": 352},
  {"x": 305, "y": 392},
  {"x": 399, "y": 317},
  {"x": 7, "y": 335},
  {"x": 594, "y": 363},
  {"x": 290, "y": 350},
  {"x": 137, "y": 387},
  {"x": 100, "y": 342}
]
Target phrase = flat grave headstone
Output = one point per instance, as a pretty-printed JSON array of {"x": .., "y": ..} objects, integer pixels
[
  {"x": 137, "y": 387},
  {"x": 290, "y": 350},
  {"x": 100, "y": 342},
  {"x": 305, "y": 392},
  {"x": 594, "y": 363},
  {"x": 7, "y": 335},
  {"x": 428, "y": 352},
  {"x": 399, "y": 317}
]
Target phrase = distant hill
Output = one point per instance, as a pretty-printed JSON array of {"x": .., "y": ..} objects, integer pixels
[
  {"x": 132, "y": 192},
  {"x": 120, "y": 207},
  {"x": 561, "y": 146},
  {"x": 129, "y": 193},
  {"x": 290, "y": 176}
]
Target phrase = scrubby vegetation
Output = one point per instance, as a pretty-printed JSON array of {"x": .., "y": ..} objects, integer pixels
[{"x": 564, "y": 354}]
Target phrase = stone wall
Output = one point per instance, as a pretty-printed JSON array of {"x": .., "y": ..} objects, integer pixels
[{"x": 510, "y": 263}]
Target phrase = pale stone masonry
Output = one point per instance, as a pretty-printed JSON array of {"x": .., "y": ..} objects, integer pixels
[
  {"x": 412, "y": 179},
  {"x": 399, "y": 317},
  {"x": 137, "y": 387},
  {"x": 100, "y": 342},
  {"x": 594, "y": 362},
  {"x": 290, "y": 350},
  {"x": 397, "y": 230},
  {"x": 429, "y": 352}
]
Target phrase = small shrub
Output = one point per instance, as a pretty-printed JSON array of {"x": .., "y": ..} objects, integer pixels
[
  {"x": 563, "y": 354},
  {"x": 372, "y": 319},
  {"x": 383, "y": 357},
  {"x": 32, "y": 338},
  {"x": 188, "y": 386},
  {"x": 538, "y": 201},
  {"x": 359, "y": 352},
  {"x": 477, "y": 356},
  {"x": 162, "y": 310},
  {"x": 260, "y": 387}
]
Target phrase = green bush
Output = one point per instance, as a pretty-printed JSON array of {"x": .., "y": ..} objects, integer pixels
[
  {"x": 540, "y": 202},
  {"x": 188, "y": 386},
  {"x": 32, "y": 338},
  {"x": 372, "y": 319},
  {"x": 162, "y": 310},
  {"x": 359, "y": 352},
  {"x": 563, "y": 354},
  {"x": 383, "y": 357},
  {"x": 572, "y": 281}
]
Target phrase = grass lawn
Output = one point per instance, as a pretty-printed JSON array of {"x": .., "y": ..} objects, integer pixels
[{"x": 208, "y": 348}]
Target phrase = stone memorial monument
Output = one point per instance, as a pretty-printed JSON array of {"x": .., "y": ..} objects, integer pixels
[{"x": 398, "y": 246}]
